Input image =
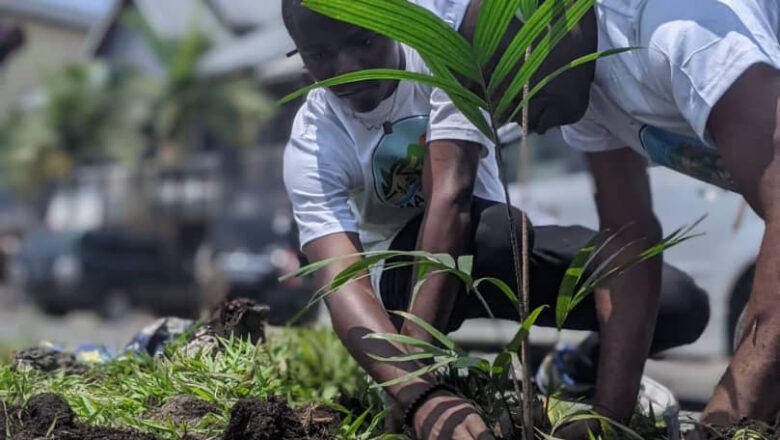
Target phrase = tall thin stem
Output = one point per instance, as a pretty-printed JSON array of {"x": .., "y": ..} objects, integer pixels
[
  {"x": 521, "y": 277},
  {"x": 528, "y": 430}
]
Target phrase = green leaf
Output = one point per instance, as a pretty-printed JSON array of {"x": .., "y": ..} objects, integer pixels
[
  {"x": 408, "y": 23},
  {"x": 353, "y": 429},
  {"x": 471, "y": 362},
  {"x": 417, "y": 373},
  {"x": 431, "y": 330},
  {"x": 494, "y": 19},
  {"x": 466, "y": 263},
  {"x": 408, "y": 341},
  {"x": 514, "y": 54},
  {"x": 572, "y": 278},
  {"x": 403, "y": 358},
  {"x": 541, "y": 51},
  {"x": 473, "y": 114},
  {"x": 526, "y": 9},
  {"x": 502, "y": 363},
  {"x": 450, "y": 86},
  {"x": 314, "y": 267},
  {"x": 561, "y": 70},
  {"x": 419, "y": 284},
  {"x": 503, "y": 287},
  {"x": 525, "y": 328}
]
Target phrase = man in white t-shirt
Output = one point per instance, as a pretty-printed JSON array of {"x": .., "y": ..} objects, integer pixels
[
  {"x": 701, "y": 95},
  {"x": 393, "y": 165}
]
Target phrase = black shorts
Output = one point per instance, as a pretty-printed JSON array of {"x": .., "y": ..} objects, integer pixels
[{"x": 684, "y": 307}]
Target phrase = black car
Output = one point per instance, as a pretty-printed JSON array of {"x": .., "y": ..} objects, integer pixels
[{"x": 106, "y": 270}]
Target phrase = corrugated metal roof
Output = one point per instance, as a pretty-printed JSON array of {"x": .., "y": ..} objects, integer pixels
[
  {"x": 59, "y": 13},
  {"x": 248, "y": 13},
  {"x": 263, "y": 46},
  {"x": 258, "y": 49},
  {"x": 173, "y": 18}
]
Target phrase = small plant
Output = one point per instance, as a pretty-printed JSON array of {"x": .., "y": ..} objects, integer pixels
[
  {"x": 589, "y": 269},
  {"x": 487, "y": 86}
]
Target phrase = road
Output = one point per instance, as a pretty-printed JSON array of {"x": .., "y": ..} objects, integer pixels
[{"x": 23, "y": 326}]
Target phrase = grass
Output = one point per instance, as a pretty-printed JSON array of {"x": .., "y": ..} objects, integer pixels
[{"x": 301, "y": 365}]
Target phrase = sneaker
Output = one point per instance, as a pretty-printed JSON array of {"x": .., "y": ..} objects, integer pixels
[
  {"x": 659, "y": 401},
  {"x": 565, "y": 372}
]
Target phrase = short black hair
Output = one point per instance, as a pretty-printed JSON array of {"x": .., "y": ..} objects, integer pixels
[{"x": 289, "y": 7}]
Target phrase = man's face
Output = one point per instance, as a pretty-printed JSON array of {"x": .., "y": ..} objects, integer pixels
[
  {"x": 330, "y": 48},
  {"x": 565, "y": 100}
]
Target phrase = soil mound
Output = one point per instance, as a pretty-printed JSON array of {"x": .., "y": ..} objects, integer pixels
[
  {"x": 49, "y": 416},
  {"x": 183, "y": 409},
  {"x": 254, "y": 419},
  {"x": 48, "y": 360}
]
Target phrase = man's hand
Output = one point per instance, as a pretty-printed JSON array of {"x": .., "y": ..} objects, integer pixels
[
  {"x": 445, "y": 416},
  {"x": 449, "y": 172},
  {"x": 745, "y": 125},
  {"x": 627, "y": 307}
]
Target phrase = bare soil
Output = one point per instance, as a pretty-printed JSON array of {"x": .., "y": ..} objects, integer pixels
[
  {"x": 49, "y": 416},
  {"x": 254, "y": 419},
  {"x": 183, "y": 410}
]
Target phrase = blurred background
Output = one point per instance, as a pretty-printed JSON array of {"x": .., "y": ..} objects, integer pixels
[{"x": 140, "y": 176}]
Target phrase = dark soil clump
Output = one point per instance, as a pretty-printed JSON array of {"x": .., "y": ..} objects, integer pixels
[
  {"x": 254, "y": 419},
  {"x": 48, "y": 360},
  {"x": 183, "y": 409},
  {"x": 49, "y": 416},
  {"x": 240, "y": 318}
]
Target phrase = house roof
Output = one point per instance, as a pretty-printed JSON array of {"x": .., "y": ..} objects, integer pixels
[
  {"x": 60, "y": 13},
  {"x": 246, "y": 34}
]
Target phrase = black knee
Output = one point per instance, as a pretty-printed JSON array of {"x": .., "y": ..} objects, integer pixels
[
  {"x": 492, "y": 236},
  {"x": 684, "y": 311}
]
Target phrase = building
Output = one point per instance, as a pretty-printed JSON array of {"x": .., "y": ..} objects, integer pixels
[{"x": 55, "y": 35}]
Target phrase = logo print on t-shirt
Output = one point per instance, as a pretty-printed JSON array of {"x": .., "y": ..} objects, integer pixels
[
  {"x": 398, "y": 161},
  {"x": 685, "y": 154}
]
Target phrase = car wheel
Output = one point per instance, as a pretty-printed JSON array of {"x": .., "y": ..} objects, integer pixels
[{"x": 737, "y": 303}]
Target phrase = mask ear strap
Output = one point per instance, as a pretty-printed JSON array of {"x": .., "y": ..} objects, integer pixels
[{"x": 291, "y": 53}]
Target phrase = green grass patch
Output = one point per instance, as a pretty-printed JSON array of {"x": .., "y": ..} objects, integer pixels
[{"x": 302, "y": 366}]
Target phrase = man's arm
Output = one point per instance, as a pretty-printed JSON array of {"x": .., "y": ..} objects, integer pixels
[
  {"x": 627, "y": 306},
  {"x": 745, "y": 125},
  {"x": 356, "y": 312},
  {"x": 448, "y": 184}
]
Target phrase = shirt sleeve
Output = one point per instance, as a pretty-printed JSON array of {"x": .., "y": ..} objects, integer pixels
[
  {"x": 317, "y": 176},
  {"x": 451, "y": 11},
  {"x": 708, "y": 47},
  {"x": 447, "y": 122},
  {"x": 588, "y": 134}
]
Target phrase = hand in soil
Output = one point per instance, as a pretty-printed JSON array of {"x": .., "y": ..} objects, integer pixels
[
  {"x": 445, "y": 416},
  {"x": 579, "y": 430}
]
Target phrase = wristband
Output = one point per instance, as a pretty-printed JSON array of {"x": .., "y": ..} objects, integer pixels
[{"x": 418, "y": 401}]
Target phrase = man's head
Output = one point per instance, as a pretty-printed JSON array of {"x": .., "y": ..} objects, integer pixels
[
  {"x": 11, "y": 38},
  {"x": 565, "y": 100},
  {"x": 330, "y": 48}
]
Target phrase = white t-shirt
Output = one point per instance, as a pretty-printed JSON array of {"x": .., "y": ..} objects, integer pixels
[
  {"x": 657, "y": 99},
  {"x": 343, "y": 171}
]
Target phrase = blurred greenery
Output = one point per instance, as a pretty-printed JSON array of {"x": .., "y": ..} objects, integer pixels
[{"x": 97, "y": 112}]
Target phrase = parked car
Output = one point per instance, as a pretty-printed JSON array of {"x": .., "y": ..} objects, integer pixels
[
  {"x": 106, "y": 270},
  {"x": 722, "y": 262},
  {"x": 245, "y": 254}
]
